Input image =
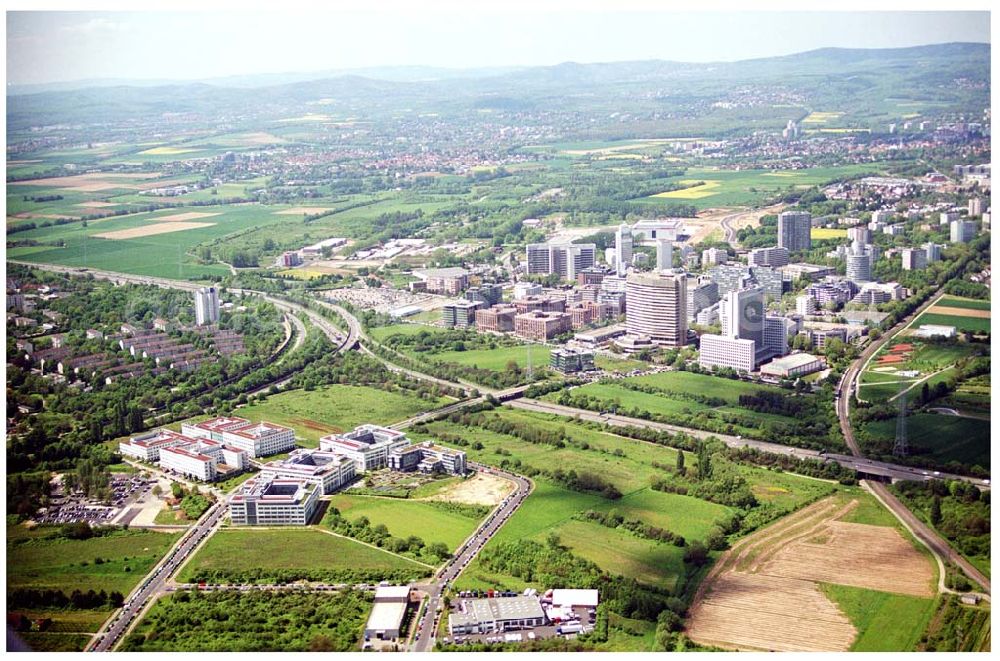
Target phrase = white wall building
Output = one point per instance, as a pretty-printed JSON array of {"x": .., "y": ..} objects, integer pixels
[
  {"x": 722, "y": 351},
  {"x": 274, "y": 502},
  {"x": 805, "y": 305},
  {"x": 327, "y": 470},
  {"x": 206, "y": 305},
  {"x": 261, "y": 439},
  {"x": 773, "y": 256},
  {"x": 368, "y": 446}
]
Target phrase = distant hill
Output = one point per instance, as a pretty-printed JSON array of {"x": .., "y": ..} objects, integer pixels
[{"x": 830, "y": 77}]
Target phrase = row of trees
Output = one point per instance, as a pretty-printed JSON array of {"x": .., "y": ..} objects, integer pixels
[
  {"x": 362, "y": 529},
  {"x": 46, "y": 599}
]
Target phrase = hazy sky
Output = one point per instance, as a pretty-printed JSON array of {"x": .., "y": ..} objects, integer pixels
[{"x": 66, "y": 46}]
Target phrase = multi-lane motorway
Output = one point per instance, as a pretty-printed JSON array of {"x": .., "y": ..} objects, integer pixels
[
  {"x": 423, "y": 640},
  {"x": 155, "y": 582}
]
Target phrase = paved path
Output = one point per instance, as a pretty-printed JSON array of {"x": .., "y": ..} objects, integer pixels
[
  {"x": 140, "y": 599},
  {"x": 423, "y": 640},
  {"x": 927, "y": 535}
]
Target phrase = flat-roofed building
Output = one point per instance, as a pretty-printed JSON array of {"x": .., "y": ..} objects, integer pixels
[
  {"x": 934, "y": 330},
  {"x": 820, "y": 336},
  {"x": 796, "y": 364},
  {"x": 449, "y": 281},
  {"x": 386, "y": 618},
  {"x": 963, "y": 231},
  {"x": 811, "y": 272},
  {"x": 714, "y": 257},
  {"x": 568, "y": 360},
  {"x": 805, "y": 305},
  {"x": 328, "y": 470},
  {"x": 191, "y": 460},
  {"x": 147, "y": 446},
  {"x": 722, "y": 351},
  {"x": 575, "y": 598},
  {"x": 541, "y": 326},
  {"x": 428, "y": 457},
  {"x": 656, "y": 306},
  {"x": 368, "y": 446},
  {"x": 599, "y": 337},
  {"x": 649, "y": 230},
  {"x": 459, "y": 314},
  {"x": 794, "y": 230},
  {"x": 274, "y": 502},
  {"x": 541, "y": 303},
  {"x": 913, "y": 258},
  {"x": 213, "y": 428},
  {"x": 562, "y": 259},
  {"x": 496, "y": 615},
  {"x": 499, "y": 318},
  {"x": 773, "y": 256},
  {"x": 261, "y": 439},
  {"x": 487, "y": 293}
]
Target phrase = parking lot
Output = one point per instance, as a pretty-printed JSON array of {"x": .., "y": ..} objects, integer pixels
[{"x": 75, "y": 507}]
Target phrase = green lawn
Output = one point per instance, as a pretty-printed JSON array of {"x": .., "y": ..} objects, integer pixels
[
  {"x": 381, "y": 332},
  {"x": 630, "y": 399},
  {"x": 308, "y": 552},
  {"x": 619, "y": 365},
  {"x": 404, "y": 517},
  {"x": 687, "y": 516},
  {"x": 334, "y": 409},
  {"x": 885, "y": 622},
  {"x": 37, "y": 561},
  {"x": 497, "y": 359},
  {"x": 703, "y": 384},
  {"x": 967, "y": 303}
]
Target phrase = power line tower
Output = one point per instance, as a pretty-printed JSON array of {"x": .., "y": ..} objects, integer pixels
[
  {"x": 901, "y": 448},
  {"x": 529, "y": 362}
]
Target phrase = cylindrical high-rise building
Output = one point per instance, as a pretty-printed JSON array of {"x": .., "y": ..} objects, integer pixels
[{"x": 656, "y": 306}]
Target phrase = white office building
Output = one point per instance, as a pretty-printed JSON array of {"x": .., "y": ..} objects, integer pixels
[
  {"x": 261, "y": 439},
  {"x": 206, "y": 305},
  {"x": 664, "y": 254},
  {"x": 147, "y": 446},
  {"x": 795, "y": 230},
  {"x": 933, "y": 252},
  {"x": 368, "y": 446},
  {"x": 722, "y": 351},
  {"x": 525, "y": 289},
  {"x": 860, "y": 261},
  {"x": 805, "y": 305},
  {"x": 562, "y": 259},
  {"x": 773, "y": 256},
  {"x": 714, "y": 257},
  {"x": 656, "y": 306},
  {"x": 623, "y": 248},
  {"x": 327, "y": 470},
  {"x": 274, "y": 502}
]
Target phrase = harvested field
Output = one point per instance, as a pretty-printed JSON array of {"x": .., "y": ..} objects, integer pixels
[
  {"x": 959, "y": 312},
  {"x": 190, "y": 215},
  {"x": 27, "y": 215},
  {"x": 150, "y": 230},
  {"x": 764, "y": 593},
  {"x": 863, "y": 556},
  {"x": 299, "y": 211},
  {"x": 760, "y": 612},
  {"x": 481, "y": 489},
  {"x": 95, "y": 204},
  {"x": 91, "y": 182},
  {"x": 316, "y": 426}
]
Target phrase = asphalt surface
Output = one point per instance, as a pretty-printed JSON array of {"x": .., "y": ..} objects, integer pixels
[
  {"x": 925, "y": 533},
  {"x": 156, "y": 581},
  {"x": 423, "y": 640}
]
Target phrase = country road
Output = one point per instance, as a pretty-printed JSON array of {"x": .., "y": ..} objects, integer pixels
[
  {"x": 423, "y": 640},
  {"x": 140, "y": 599},
  {"x": 937, "y": 544}
]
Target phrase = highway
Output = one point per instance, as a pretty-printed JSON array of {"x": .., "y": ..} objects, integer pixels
[
  {"x": 927, "y": 535},
  {"x": 154, "y": 584},
  {"x": 423, "y": 640}
]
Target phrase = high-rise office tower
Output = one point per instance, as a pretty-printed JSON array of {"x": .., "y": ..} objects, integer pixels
[
  {"x": 794, "y": 228},
  {"x": 656, "y": 306},
  {"x": 623, "y": 248},
  {"x": 664, "y": 254}
]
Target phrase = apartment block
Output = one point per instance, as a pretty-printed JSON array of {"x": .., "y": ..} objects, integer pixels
[{"x": 774, "y": 257}]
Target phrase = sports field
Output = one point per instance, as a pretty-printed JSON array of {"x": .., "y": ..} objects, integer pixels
[
  {"x": 258, "y": 555},
  {"x": 333, "y": 409},
  {"x": 432, "y": 522},
  {"x": 965, "y": 314}
]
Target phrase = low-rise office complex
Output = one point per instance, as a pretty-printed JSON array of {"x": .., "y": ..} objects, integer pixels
[
  {"x": 427, "y": 457},
  {"x": 274, "y": 502},
  {"x": 496, "y": 615},
  {"x": 368, "y": 446},
  {"x": 328, "y": 470},
  {"x": 541, "y": 326},
  {"x": 571, "y": 360}
]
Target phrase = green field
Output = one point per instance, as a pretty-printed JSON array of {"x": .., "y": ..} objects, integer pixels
[
  {"x": 334, "y": 409},
  {"x": 305, "y": 552},
  {"x": 885, "y": 622},
  {"x": 38, "y": 560},
  {"x": 404, "y": 517},
  {"x": 497, "y": 359},
  {"x": 970, "y": 324},
  {"x": 967, "y": 303},
  {"x": 747, "y": 187},
  {"x": 379, "y": 333},
  {"x": 941, "y": 437},
  {"x": 702, "y": 384}
]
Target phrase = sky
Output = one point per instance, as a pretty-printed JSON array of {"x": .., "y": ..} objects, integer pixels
[{"x": 46, "y": 46}]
